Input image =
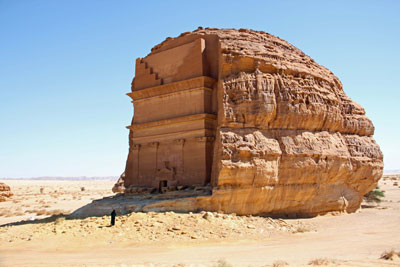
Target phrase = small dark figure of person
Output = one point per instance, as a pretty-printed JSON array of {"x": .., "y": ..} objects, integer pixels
[{"x": 113, "y": 214}]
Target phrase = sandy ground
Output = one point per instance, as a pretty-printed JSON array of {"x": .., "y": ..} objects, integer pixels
[
  {"x": 36, "y": 199},
  {"x": 200, "y": 239}
]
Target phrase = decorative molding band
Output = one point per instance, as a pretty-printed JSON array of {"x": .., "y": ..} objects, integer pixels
[
  {"x": 194, "y": 117},
  {"x": 205, "y": 89},
  {"x": 198, "y": 82}
]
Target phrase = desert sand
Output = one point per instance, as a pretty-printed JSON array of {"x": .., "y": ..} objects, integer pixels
[{"x": 34, "y": 231}]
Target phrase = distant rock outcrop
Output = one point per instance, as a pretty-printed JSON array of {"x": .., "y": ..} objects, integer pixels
[
  {"x": 5, "y": 192},
  {"x": 248, "y": 114}
]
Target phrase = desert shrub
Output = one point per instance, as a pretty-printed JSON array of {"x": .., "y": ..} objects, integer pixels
[
  {"x": 6, "y": 213},
  {"x": 375, "y": 195},
  {"x": 322, "y": 261},
  {"x": 59, "y": 220},
  {"x": 83, "y": 188},
  {"x": 301, "y": 229},
  {"x": 222, "y": 263},
  {"x": 41, "y": 212},
  {"x": 390, "y": 255},
  {"x": 280, "y": 264},
  {"x": 56, "y": 212}
]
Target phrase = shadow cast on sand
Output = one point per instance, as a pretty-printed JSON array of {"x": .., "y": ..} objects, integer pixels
[
  {"x": 50, "y": 219},
  {"x": 70, "y": 216},
  {"x": 180, "y": 202},
  {"x": 126, "y": 204}
]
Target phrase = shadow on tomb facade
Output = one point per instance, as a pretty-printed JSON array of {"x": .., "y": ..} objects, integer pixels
[{"x": 250, "y": 124}]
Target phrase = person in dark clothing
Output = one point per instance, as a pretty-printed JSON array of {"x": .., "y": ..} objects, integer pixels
[{"x": 113, "y": 214}]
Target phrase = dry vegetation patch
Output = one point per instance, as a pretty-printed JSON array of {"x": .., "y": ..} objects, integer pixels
[
  {"x": 323, "y": 262},
  {"x": 391, "y": 255},
  {"x": 280, "y": 264},
  {"x": 222, "y": 263}
]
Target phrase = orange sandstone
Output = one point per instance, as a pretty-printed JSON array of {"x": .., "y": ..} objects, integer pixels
[{"x": 252, "y": 117}]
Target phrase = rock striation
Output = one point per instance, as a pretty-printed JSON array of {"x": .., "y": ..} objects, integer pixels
[
  {"x": 5, "y": 192},
  {"x": 251, "y": 116}
]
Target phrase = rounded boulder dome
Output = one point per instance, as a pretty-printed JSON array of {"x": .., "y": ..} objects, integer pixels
[{"x": 253, "y": 120}]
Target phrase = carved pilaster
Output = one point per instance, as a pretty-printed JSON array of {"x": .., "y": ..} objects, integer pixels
[
  {"x": 136, "y": 157},
  {"x": 136, "y": 146},
  {"x": 180, "y": 141},
  {"x": 153, "y": 144}
]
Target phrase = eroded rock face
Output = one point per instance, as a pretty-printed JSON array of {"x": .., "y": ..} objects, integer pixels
[
  {"x": 5, "y": 192},
  {"x": 119, "y": 185},
  {"x": 288, "y": 140}
]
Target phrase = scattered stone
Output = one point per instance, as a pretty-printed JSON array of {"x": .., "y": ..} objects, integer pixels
[{"x": 208, "y": 215}]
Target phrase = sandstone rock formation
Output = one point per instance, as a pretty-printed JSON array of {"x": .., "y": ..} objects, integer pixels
[
  {"x": 245, "y": 112},
  {"x": 5, "y": 192},
  {"x": 119, "y": 186}
]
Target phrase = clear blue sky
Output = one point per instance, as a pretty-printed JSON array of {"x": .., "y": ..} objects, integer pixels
[{"x": 65, "y": 67}]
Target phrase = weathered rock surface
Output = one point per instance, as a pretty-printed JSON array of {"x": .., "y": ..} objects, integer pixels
[
  {"x": 288, "y": 140},
  {"x": 5, "y": 192},
  {"x": 119, "y": 186}
]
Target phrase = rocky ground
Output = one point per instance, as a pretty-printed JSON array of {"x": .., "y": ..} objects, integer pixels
[
  {"x": 191, "y": 239},
  {"x": 150, "y": 227}
]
